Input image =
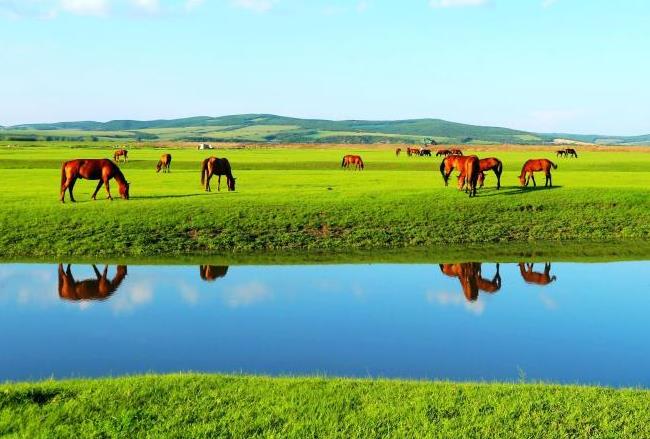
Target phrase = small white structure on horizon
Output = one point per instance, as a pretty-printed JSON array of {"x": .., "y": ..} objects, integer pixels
[{"x": 204, "y": 146}]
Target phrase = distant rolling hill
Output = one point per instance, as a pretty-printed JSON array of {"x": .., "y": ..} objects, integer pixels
[{"x": 280, "y": 129}]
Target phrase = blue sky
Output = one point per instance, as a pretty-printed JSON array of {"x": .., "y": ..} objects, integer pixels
[{"x": 542, "y": 65}]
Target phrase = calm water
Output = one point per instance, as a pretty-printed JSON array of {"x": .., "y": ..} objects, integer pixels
[{"x": 562, "y": 322}]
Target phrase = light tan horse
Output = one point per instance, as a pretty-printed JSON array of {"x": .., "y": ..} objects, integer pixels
[
  {"x": 164, "y": 163},
  {"x": 121, "y": 153}
]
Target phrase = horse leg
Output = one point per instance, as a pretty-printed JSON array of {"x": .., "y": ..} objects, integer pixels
[
  {"x": 64, "y": 187},
  {"x": 96, "y": 272},
  {"x": 532, "y": 175},
  {"x": 108, "y": 189},
  {"x": 550, "y": 179},
  {"x": 70, "y": 188},
  {"x": 207, "y": 182},
  {"x": 99, "y": 185},
  {"x": 219, "y": 183}
]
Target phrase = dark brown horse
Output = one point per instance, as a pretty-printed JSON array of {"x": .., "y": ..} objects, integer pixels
[
  {"x": 99, "y": 288},
  {"x": 164, "y": 163},
  {"x": 533, "y": 277},
  {"x": 456, "y": 151},
  {"x": 560, "y": 153},
  {"x": 212, "y": 272},
  {"x": 443, "y": 152},
  {"x": 354, "y": 160},
  {"x": 121, "y": 153},
  {"x": 570, "y": 152},
  {"x": 536, "y": 165},
  {"x": 92, "y": 169},
  {"x": 397, "y": 151},
  {"x": 212, "y": 166},
  {"x": 471, "y": 279},
  {"x": 425, "y": 152}
]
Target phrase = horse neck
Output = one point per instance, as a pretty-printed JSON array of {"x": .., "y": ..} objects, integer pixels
[{"x": 119, "y": 177}]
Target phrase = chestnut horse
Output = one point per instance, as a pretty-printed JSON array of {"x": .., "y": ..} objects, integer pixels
[
  {"x": 100, "y": 288},
  {"x": 533, "y": 277},
  {"x": 412, "y": 151},
  {"x": 536, "y": 165},
  {"x": 212, "y": 166},
  {"x": 212, "y": 272},
  {"x": 121, "y": 153},
  {"x": 397, "y": 151},
  {"x": 352, "y": 160},
  {"x": 457, "y": 162},
  {"x": 472, "y": 171},
  {"x": 164, "y": 163},
  {"x": 488, "y": 164},
  {"x": 471, "y": 279},
  {"x": 92, "y": 169}
]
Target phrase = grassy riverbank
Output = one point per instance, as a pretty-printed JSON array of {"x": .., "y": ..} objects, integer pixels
[
  {"x": 241, "y": 406},
  {"x": 297, "y": 199}
]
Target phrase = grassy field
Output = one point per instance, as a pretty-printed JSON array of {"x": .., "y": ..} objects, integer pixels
[
  {"x": 250, "y": 407},
  {"x": 290, "y": 199}
]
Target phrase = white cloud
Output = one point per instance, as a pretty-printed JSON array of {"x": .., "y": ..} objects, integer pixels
[
  {"x": 456, "y": 299},
  {"x": 190, "y": 5},
  {"x": 259, "y": 6},
  {"x": 456, "y": 3},
  {"x": 97, "y": 8},
  {"x": 148, "y": 6},
  {"x": 247, "y": 294},
  {"x": 548, "y": 3},
  {"x": 363, "y": 6}
]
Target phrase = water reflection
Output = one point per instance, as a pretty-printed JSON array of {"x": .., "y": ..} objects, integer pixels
[
  {"x": 471, "y": 279},
  {"x": 98, "y": 288},
  {"x": 211, "y": 273},
  {"x": 534, "y": 277}
]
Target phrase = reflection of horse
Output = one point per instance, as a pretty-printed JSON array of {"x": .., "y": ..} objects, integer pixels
[
  {"x": 212, "y": 166},
  {"x": 471, "y": 280},
  {"x": 164, "y": 163},
  {"x": 212, "y": 272},
  {"x": 121, "y": 153},
  {"x": 536, "y": 165},
  {"x": 92, "y": 169},
  {"x": 100, "y": 288},
  {"x": 533, "y": 277},
  {"x": 354, "y": 160}
]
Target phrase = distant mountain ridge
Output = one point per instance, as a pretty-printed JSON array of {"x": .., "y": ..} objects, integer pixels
[{"x": 281, "y": 129}]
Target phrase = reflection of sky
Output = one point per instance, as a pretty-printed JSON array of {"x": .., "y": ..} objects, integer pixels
[{"x": 379, "y": 320}]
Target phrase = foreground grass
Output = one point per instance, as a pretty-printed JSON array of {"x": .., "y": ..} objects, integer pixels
[
  {"x": 247, "y": 407},
  {"x": 299, "y": 199}
]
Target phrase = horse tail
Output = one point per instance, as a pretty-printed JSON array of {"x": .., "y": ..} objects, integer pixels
[
  {"x": 204, "y": 170},
  {"x": 361, "y": 162},
  {"x": 499, "y": 168},
  {"x": 553, "y": 164},
  {"x": 63, "y": 173}
]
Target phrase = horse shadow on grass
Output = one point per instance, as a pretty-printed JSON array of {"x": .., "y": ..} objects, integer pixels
[
  {"x": 158, "y": 197},
  {"x": 513, "y": 190}
]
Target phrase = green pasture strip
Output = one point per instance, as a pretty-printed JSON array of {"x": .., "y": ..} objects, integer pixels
[
  {"x": 197, "y": 405},
  {"x": 289, "y": 200}
]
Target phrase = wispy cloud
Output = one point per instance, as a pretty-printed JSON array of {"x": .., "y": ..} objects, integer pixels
[
  {"x": 48, "y": 9},
  {"x": 456, "y": 299},
  {"x": 456, "y": 3},
  {"x": 258, "y": 6},
  {"x": 548, "y": 3},
  {"x": 247, "y": 294}
]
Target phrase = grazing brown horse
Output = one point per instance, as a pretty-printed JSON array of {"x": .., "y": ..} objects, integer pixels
[
  {"x": 456, "y": 151},
  {"x": 443, "y": 152},
  {"x": 533, "y": 277},
  {"x": 536, "y": 165},
  {"x": 212, "y": 272},
  {"x": 410, "y": 151},
  {"x": 121, "y": 153},
  {"x": 472, "y": 172},
  {"x": 352, "y": 160},
  {"x": 397, "y": 151},
  {"x": 212, "y": 166},
  {"x": 100, "y": 288},
  {"x": 570, "y": 152},
  {"x": 560, "y": 153},
  {"x": 457, "y": 162},
  {"x": 164, "y": 163},
  {"x": 471, "y": 279},
  {"x": 92, "y": 169},
  {"x": 425, "y": 152}
]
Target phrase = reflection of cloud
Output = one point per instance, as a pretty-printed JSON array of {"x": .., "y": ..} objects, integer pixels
[
  {"x": 32, "y": 286},
  {"x": 455, "y": 299},
  {"x": 133, "y": 296},
  {"x": 549, "y": 302},
  {"x": 247, "y": 294},
  {"x": 189, "y": 294}
]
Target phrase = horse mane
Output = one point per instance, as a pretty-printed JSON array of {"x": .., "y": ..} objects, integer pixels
[{"x": 119, "y": 176}]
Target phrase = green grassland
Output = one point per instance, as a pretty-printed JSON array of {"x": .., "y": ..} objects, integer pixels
[
  {"x": 252, "y": 407},
  {"x": 291, "y": 200}
]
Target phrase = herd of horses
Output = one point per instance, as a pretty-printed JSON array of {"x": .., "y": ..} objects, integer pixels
[
  {"x": 472, "y": 281},
  {"x": 101, "y": 286},
  {"x": 104, "y": 170},
  {"x": 471, "y": 170}
]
